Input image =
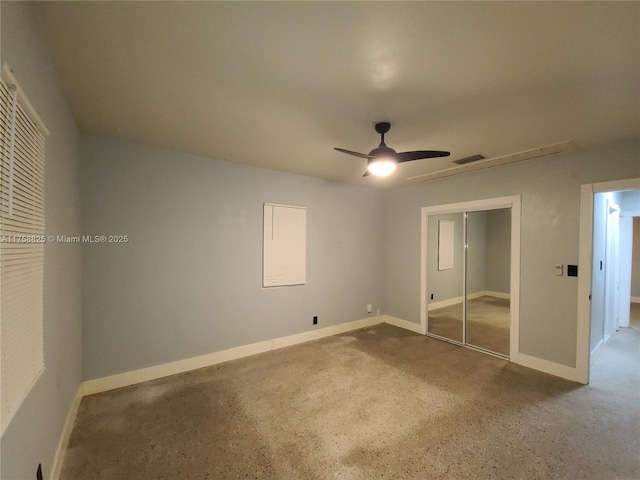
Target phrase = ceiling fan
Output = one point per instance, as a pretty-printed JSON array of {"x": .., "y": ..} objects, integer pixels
[{"x": 382, "y": 160}]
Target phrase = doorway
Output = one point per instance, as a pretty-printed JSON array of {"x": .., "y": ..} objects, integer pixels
[
  {"x": 605, "y": 289},
  {"x": 613, "y": 233},
  {"x": 470, "y": 274}
]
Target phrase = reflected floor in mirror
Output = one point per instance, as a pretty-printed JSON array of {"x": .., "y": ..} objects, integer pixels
[{"x": 487, "y": 323}]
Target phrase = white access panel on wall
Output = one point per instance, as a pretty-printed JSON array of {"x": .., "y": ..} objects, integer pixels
[
  {"x": 284, "y": 259},
  {"x": 445, "y": 244}
]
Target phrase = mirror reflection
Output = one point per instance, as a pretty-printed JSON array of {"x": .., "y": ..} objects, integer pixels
[
  {"x": 488, "y": 280},
  {"x": 445, "y": 301}
]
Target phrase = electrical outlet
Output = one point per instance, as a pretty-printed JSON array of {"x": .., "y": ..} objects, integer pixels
[
  {"x": 39, "y": 472},
  {"x": 315, "y": 320},
  {"x": 369, "y": 308}
]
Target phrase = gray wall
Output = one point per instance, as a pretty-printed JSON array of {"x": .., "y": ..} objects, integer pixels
[
  {"x": 188, "y": 282},
  {"x": 550, "y": 191},
  {"x": 630, "y": 201},
  {"x": 33, "y": 435}
]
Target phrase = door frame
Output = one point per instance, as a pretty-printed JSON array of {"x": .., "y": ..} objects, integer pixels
[
  {"x": 585, "y": 258},
  {"x": 612, "y": 270},
  {"x": 626, "y": 259},
  {"x": 512, "y": 202}
]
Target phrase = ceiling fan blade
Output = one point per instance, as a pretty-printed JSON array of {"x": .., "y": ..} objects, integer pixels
[
  {"x": 361, "y": 155},
  {"x": 419, "y": 154},
  {"x": 366, "y": 173}
]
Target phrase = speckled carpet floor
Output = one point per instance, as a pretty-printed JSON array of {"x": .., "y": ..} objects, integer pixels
[{"x": 377, "y": 403}]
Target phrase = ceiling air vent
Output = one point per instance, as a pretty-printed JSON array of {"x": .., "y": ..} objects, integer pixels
[
  {"x": 472, "y": 158},
  {"x": 481, "y": 164}
]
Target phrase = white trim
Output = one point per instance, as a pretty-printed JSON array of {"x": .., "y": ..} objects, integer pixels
[
  {"x": 502, "y": 295},
  {"x": 424, "y": 270},
  {"x": 585, "y": 258},
  {"x": 399, "y": 322},
  {"x": 585, "y": 254},
  {"x": 281, "y": 205},
  {"x": 125, "y": 379},
  {"x": 465, "y": 246},
  {"x": 552, "y": 368},
  {"x": 635, "y": 299},
  {"x": 513, "y": 202},
  {"x": 514, "y": 300},
  {"x": 473, "y": 205},
  {"x": 562, "y": 147},
  {"x": 596, "y": 351},
  {"x": 56, "y": 469},
  {"x": 615, "y": 185}
]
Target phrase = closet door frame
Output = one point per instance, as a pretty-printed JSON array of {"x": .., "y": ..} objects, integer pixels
[{"x": 512, "y": 202}]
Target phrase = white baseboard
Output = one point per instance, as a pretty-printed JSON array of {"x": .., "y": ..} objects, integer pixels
[
  {"x": 503, "y": 295},
  {"x": 104, "y": 384},
  {"x": 456, "y": 300},
  {"x": 398, "y": 322},
  {"x": 56, "y": 469},
  {"x": 595, "y": 353},
  {"x": 552, "y": 368},
  {"x": 444, "y": 303},
  {"x": 125, "y": 379},
  {"x": 635, "y": 299}
]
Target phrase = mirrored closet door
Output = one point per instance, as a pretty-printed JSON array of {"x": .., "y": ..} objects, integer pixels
[
  {"x": 446, "y": 251},
  {"x": 469, "y": 273},
  {"x": 487, "y": 280}
]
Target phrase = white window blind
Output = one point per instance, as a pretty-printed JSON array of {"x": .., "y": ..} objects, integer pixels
[
  {"x": 285, "y": 245},
  {"x": 21, "y": 246}
]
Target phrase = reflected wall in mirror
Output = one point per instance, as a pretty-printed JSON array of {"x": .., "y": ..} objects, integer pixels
[
  {"x": 445, "y": 300},
  {"x": 488, "y": 280}
]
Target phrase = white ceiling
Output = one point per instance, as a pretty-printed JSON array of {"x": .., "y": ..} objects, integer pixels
[{"x": 278, "y": 85}]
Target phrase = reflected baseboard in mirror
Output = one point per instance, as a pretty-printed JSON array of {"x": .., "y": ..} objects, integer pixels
[{"x": 487, "y": 323}]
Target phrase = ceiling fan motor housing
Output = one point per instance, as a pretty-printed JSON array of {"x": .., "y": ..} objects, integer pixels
[
  {"x": 382, "y": 151},
  {"x": 382, "y": 127}
]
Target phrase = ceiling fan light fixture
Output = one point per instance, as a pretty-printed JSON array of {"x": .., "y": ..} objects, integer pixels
[
  {"x": 382, "y": 166},
  {"x": 382, "y": 160}
]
